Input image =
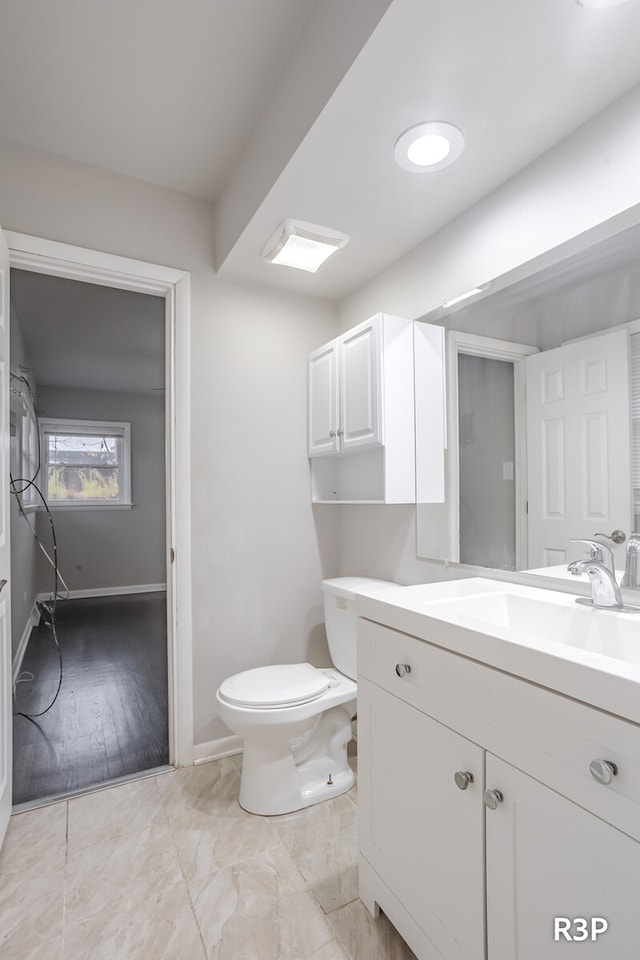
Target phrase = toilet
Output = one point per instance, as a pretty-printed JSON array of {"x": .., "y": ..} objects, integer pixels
[{"x": 295, "y": 719}]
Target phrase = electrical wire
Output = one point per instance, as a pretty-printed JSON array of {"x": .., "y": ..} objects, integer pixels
[{"x": 46, "y": 609}]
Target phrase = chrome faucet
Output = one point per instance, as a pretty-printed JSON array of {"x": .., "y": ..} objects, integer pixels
[
  {"x": 598, "y": 551},
  {"x": 631, "y": 578},
  {"x": 605, "y": 592}
]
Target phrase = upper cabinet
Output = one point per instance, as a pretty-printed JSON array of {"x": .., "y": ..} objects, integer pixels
[{"x": 361, "y": 413}]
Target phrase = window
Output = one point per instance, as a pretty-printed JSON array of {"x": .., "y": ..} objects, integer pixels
[{"x": 86, "y": 463}]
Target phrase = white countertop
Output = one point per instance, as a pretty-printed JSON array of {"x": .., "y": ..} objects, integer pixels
[{"x": 604, "y": 678}]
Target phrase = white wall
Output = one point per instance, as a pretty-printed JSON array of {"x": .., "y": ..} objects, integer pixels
[
  {"x": 259, "y": 552},
  {"x": 587, "y": 179},
  {"x": 100, "y": 549}
]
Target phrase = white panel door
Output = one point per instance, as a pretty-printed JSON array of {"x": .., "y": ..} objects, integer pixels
[
  {"x": 578, "y": 446},
  {"x": 361, "y": 385},
  {"x": 548, "y": 858},
  {"x": 5, "y": 556},
  {"x": 322, "y": 406},
  {"x": 417, "y": 829}
]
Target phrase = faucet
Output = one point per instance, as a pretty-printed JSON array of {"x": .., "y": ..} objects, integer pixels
[
  {"x": 631, "y": 576},
  {"x": 605, "y": 592},
  {"x": 598, "y": 551}
]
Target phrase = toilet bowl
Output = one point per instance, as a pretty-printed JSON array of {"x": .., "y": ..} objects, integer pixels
[{"x": 295, "y": 719}]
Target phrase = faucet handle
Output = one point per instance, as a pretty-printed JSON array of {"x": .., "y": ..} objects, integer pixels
[{"x": 598, "y": 551}]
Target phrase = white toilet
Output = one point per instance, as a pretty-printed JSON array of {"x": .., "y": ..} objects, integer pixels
[{"x": 295, "y": 719}]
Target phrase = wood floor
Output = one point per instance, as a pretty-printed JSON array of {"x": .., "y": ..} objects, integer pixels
[{"x": 111, "y": 716}]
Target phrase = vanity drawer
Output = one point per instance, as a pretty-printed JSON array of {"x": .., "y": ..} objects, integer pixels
[{"x": 545, "y": 734}]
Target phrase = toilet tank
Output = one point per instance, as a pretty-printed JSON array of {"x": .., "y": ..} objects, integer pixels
[{"x": 340, "y": 617}]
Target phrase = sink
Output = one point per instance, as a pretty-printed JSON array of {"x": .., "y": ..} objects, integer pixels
[
  {"x": 553, "y": 619},
  {"x": 537, "y": 634}
]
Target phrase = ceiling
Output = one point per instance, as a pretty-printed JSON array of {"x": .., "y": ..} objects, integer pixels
[
  {"x": 84, "y": 336},
  {"x": 290, "y": 108}
]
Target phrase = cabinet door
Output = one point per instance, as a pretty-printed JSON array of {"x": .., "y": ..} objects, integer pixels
[
  {"x": 361, "y": 385},
  {"x": 419, "y": 831},
  {"x": 322, "y": 407},
  {"x": 548, "y": 858}
]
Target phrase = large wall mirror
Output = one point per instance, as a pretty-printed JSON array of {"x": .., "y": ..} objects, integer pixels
[{"x": 543, "y": 416}]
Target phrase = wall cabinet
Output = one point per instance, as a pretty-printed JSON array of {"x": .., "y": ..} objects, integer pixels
[
  {"x": 361, "y": 413},
  {"x": 479, "y": 820}
]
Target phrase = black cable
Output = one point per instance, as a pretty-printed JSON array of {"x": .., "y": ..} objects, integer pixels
[
  {"x": 51, "y": 607},
  {"x": 18, "y": 493}
]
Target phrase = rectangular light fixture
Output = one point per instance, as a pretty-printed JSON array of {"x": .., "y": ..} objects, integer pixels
[
  {"x": 465, "y": 296},
  {"x": 305, "y": 246}
]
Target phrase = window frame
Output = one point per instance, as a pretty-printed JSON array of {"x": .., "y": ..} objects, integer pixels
[{"x": 110, "y": 428}]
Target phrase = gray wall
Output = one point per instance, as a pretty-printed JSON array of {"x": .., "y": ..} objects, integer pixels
[
  {"x": 487, "y": 441},
  {"x": 24, "y": 550},
  {"x": 112, "y": 548}
]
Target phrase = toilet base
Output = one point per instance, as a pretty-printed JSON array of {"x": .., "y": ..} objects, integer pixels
[{"x": 277, "y": 780}]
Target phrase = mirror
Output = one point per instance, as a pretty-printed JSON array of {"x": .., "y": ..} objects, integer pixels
[{"x": 543, "y": 414}]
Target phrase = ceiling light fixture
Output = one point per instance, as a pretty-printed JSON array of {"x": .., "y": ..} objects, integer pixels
[
  {"x": 428, "y": 146},
  {"x": 600, "y": 4},
  {"x": 305, "y": 246},
  {"x": 465, "y": 296}
]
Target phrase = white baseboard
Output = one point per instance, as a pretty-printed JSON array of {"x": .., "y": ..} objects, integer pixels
[
  {"x": 111, "y": 591},
  {"x": 216, "y": 749},
  {"x": 33, "y": 621}
]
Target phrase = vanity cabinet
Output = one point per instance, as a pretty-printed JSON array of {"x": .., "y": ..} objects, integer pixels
[
  {"x": 361, "y": 413},
  {"x": 479, "y": 819}
]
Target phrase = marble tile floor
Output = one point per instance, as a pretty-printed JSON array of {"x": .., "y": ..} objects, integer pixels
[{"x": 170, "y": 868}]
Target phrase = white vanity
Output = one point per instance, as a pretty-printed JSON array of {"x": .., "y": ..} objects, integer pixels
[{"x": 499, "y": 769}]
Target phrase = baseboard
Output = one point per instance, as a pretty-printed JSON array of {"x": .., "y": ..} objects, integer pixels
[
  {"x": 111, "y": 591},
  {"x": 216, "y": 749},
  {"x": 33, "y": 621}
]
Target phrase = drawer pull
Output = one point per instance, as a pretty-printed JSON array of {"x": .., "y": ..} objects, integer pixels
[
  {"x": 463, "y": 778},
  {"x": 603, "y": 771},
  {"x": 492, "y": 798},
  {"x": 402, "y": 669}
]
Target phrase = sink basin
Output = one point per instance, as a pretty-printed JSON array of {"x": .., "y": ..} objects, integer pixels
[{"x": 556, "y": 620}]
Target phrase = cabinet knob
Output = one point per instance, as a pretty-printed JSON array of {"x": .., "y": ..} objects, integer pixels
[
  {"x": 463, "y": 778},
  {"x": 340, "y": 433},
  {"x": 492, "y": 798},
  {"x": 332, "y": 433},
  {"x": 603, "y": 771},
  {"x": 402, "y": 669}
]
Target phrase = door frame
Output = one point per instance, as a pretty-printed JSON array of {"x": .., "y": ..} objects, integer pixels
[
  {"x": 472, "y": 344},
  {"x": 92, "y": 266}
]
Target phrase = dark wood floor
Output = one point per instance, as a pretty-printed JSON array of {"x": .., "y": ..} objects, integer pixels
[{"x": 111, "y": 716}]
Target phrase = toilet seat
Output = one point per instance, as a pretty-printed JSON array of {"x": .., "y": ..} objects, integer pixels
[{"x": 284, "y": 685}]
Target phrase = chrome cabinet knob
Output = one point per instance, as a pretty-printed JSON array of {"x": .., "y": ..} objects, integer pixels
[
  {"x": 603, "y": 771},
  {"x": 402, "y": 669},
  {"x": 332, "y": 433},
  {"x": 463, "y": 778},
  {"x": 492, "y": 798},
  {"x": 341, "y": 433}
]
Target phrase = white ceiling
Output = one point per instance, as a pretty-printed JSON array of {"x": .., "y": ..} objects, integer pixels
[{"x": 210, "y": 97}]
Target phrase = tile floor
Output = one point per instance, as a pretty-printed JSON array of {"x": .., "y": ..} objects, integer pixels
[{"x": 170, "y": 868}]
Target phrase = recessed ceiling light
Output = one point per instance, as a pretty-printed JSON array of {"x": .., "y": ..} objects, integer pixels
[
  {"x": 305, "y": 246},
  {"x": 428, "y": 146}
]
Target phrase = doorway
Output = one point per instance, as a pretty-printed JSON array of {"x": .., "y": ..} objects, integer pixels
[
  {"x": 87, "y": 533},
  {"x": 60, "y": 260}
]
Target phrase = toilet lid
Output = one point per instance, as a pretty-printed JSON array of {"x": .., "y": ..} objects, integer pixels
[{"x": 280, "y": 686}]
